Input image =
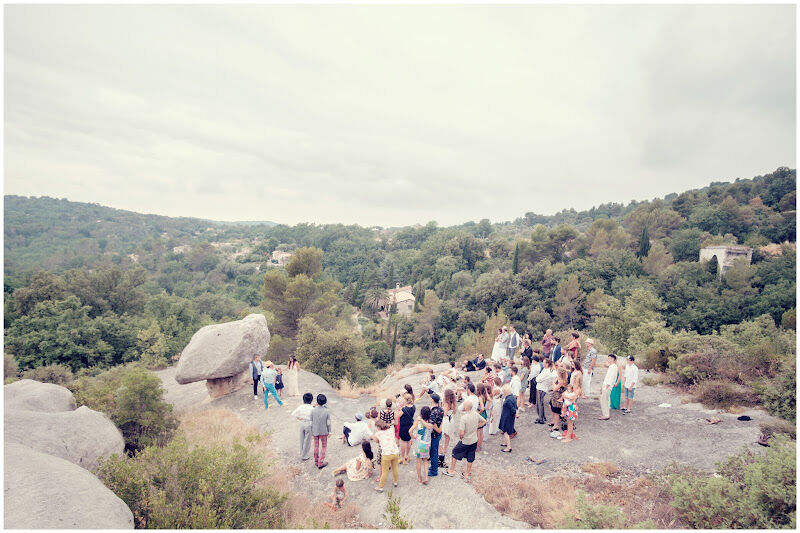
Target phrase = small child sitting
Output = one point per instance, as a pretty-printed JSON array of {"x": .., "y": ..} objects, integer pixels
[{"x": 338, "y": 497}]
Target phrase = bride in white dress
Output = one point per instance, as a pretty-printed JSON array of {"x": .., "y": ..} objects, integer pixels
[
  {"x": 499, "y": 350},
  {"x": 290, "y": 377}
]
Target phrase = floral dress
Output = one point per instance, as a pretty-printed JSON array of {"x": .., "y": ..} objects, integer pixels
[
  {"x": 422, "y": 443},
  {"x": 359, "y": 468}
]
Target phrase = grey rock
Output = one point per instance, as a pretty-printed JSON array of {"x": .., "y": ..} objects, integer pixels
[
  {"x": 82, "y": 436},
  {"x": 223, "y": 350},
  {"x": 46, "y": 492},
  {"x": 30, "y": 395}
]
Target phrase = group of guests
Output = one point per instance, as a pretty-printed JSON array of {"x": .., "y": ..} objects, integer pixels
[
  {"x": 274, "y": 379},
  {"x": 462, "y": 412}
]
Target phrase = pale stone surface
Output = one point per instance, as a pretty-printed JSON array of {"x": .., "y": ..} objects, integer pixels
[
  {"x": 221, "y": 386},
  {"x": 82, "y": 436},
  {"x": 30, "y": 395},
  {"x": 42, "y": 491},
  {"x": 223, "y": 350}
]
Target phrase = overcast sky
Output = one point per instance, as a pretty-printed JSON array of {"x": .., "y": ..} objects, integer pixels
[{"x": 384, "y": 115}]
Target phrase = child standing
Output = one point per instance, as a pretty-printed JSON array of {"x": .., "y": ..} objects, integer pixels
[
  {"x": 390, "y": 453},
  {"x": 422, "y": 443},
  {"x": 279, "y": 383}
]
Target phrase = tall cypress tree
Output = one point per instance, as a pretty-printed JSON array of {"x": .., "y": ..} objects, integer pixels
[
  {"x": 394, "y": 343},
  {"x": 644, "y": 243},
  {"x": 515, "y": 262}
]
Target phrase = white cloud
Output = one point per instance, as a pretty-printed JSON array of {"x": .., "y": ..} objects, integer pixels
[{"x": 392, "y": 115}]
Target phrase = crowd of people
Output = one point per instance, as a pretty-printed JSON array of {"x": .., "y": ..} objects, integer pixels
[{"x": 461, "y": 412}]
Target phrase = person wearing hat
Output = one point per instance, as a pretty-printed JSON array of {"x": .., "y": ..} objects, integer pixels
[
  {"x": 356, "y": 432},
  {"x": 437, "y": 415},
  {"x": 588, "y": 366},
  {"x": 268, "y": 383}
]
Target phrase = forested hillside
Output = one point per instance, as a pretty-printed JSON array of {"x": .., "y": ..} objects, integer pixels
[{"x": 88, "y": 286}]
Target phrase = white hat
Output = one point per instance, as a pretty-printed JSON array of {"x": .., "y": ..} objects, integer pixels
[{"x": 589, "y": 341}]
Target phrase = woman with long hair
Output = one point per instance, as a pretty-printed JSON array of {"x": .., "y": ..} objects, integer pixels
[
  {"x": 449, "y": 421},
  {"x": 360, "y": 467},
  {"x": 290, "y": 377},
  {"x": 483, "y": 399}
]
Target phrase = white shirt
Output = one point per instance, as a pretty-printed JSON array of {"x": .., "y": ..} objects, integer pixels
[
  {"x": 631, "y": 376},
  {"x": 545, "y": 379},
  {"x": 358, "y": 432},
  {"x": 611, "y": 375},
  {"x": 303, "y": 412},
  {"x": 534, "y": 372},
  {"x": 516, "y": 385},
  {"x": 471, "y": 398}
]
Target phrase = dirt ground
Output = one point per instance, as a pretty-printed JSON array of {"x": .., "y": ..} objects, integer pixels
[{"x": 646, "y": 440}]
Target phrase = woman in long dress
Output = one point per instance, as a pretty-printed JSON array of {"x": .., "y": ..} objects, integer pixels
[
  {"x": 499, "y": 350},
  {"x": 290, "y": 377}
]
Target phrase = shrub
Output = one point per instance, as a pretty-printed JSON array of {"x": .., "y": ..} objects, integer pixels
[
  {"x": 750, "y": 491},
  {"x": 723, "y": 394},
  {"x": 392, "y": 514},
  {"x": 593, "y": 516},
  {"x": 379, "y": 352},
  {"x": 183, "y": 487},
  {"x": 133, "y": 398},
  {"x": 9, "y": 366},
  {"x": 333, "y": 355},
  {"x": 707, "y": 362},
  {"x": 601, "y": 469},
  {"x": 789, "y": 319},
  {"x": 778, "y": 427},
  {"x": 779, "y": 396},
  {"x": 55, "y": 373}
]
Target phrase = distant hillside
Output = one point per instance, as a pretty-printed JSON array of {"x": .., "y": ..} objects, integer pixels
[{"x": 56, "y": 234}]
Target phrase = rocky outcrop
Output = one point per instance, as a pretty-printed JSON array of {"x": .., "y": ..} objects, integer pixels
[
  {"x": 82, "y": 436},
  {"x": 50, "y": 448},
  {"x": 221, "y": 354},
  {"x": 30, "y": 395},
  {"x": 42, "y": 491}
]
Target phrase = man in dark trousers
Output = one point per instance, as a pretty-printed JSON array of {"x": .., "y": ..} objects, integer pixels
[{"x": 437, "y": 415}]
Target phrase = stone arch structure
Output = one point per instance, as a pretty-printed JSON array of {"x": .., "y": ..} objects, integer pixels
[{"x": 725, "y": 255}]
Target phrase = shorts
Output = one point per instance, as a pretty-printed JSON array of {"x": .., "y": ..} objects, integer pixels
[
  {"x": 465, "y": 451},
  {"x": 405, "y": 436},
  {"x": 629, "y": 393},
  {"x": 555, "y": 409}
]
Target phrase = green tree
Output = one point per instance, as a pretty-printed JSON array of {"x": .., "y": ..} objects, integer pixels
[
  {"x": 515, "y": 261},
  {"x": 153, "y": 347},
  {"x": 334, "y": 355},
  {"x": 569, "y": 298},
  {"x": 306, "y": 261},
  {"x": 644, "y": 244},
  {"x": 657, "y": 259}
]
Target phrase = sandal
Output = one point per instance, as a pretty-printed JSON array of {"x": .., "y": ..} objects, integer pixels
[{"x": 507, "y": 450}]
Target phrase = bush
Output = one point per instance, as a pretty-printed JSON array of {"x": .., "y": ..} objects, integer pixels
[
  {"x": 9, "y": 366},
  {"x": 392, "y": 514},
  {"x": 333, "y": 355},
  {"x": 593, "y": 516},
  {"x": 779, "y": 396},
  {"x": 133, "y": 398},
  {"x": 379, "y": 352},
  {"x": 750, "y": 491},
  {"x": 778, "y": 427},
  {"x": 789, "y": 319},
  {"x": 723, "y": 394},
  {"x": 55, "y": 373},
  {"x": 706, "y": 362},
  {"x": 183, "y": 487}
]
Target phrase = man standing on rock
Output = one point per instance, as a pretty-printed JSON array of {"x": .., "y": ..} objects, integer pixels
[
  {"x": 468, "y": 440},
  {"x": 268, "y": 383},
  {"x": 320, "y": 428},
  {"x": 605, "y": 395},
  {"x": 303, "y": 414},
  {"x": 256, "y": 367},
  {"x": 437, "y": 415}
]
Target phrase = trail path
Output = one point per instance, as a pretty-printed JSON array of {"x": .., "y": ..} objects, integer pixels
[{"x": 641, "y": 442}]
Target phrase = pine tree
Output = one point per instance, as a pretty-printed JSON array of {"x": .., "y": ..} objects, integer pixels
[
  {"x": 515, "y": 262},
  {"x": 391, "y": 282},
  {"x": 644, "y": 244},
  {"x": 394, "y": 344}
]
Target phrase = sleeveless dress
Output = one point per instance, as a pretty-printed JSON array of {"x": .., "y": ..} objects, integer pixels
[
  {"x": 422, "y": 443},
  {"x": 290, "y": 380}
]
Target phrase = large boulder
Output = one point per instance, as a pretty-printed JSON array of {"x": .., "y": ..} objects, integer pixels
[
  {"x": 42, "y": 491},
  {"x": 30, "y": 395},
  {"x": 221, "y": 354},
  {"x": 82, "y": 436}
]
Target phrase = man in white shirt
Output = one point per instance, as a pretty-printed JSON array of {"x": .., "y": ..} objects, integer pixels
[
  {"x": 605, "y": 393},
  {"x": 469, "y": 396},
  {"x": 536, "y": 367},
  {"x": 516, "y": 384},
  {"x": 544, "y": 382},
  {"x": 303, "y": 414},
  {"x": 356, "y": 432},
  {"x": 629, "y": 381}
]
